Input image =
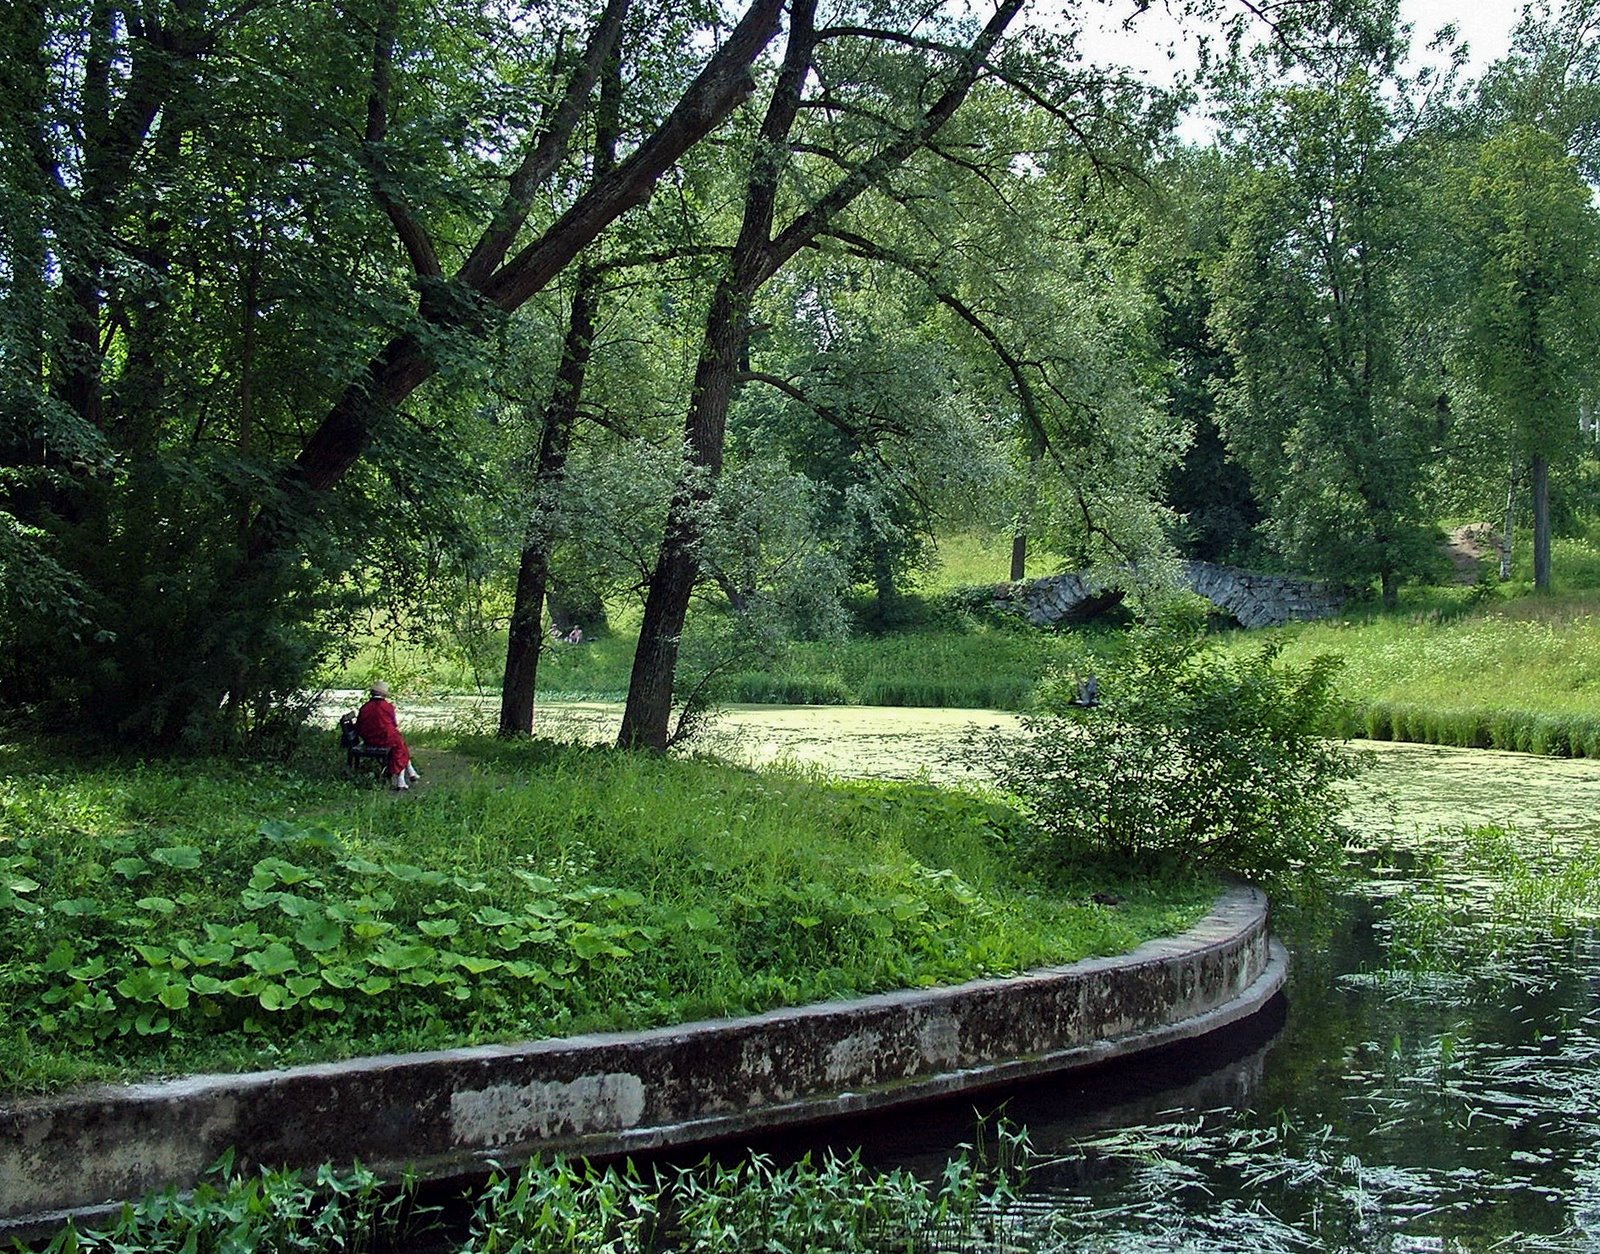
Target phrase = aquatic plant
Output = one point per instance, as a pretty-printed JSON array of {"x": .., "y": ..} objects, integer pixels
[
  {"x": 1491, "y": 890},
  {"x": 834, "y": 1202},
  {"x": 270, "y": 1212},
  {"x": 827, "y": 1203}
]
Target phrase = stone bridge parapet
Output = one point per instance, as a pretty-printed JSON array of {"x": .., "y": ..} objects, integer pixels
[{"x": 1252, "y": 599}]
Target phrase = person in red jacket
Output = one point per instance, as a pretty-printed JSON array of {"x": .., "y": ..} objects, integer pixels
[{"x": 376, "y": 724}]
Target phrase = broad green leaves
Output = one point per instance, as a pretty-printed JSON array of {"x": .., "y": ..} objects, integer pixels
[{"x": 302, "y": 953}]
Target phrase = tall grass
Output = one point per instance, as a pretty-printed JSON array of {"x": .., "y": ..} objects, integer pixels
[
  {"x": 1518, "y": 672},
  {"x": 967, "y": 664}
]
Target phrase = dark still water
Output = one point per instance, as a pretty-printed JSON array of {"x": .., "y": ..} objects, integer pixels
[{"x": 1432, "y": 1085}]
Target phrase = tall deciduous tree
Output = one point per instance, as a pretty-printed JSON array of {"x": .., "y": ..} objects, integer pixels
[
  {"x": 1550, "y": 78},
  {"x": 1532, "y": 310},
  {"x": 1331, "y": 406},
  {"x": 246, "y": 233},
  {"x": 866, "y": 146}
]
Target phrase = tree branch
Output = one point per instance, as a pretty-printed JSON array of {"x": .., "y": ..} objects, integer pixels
[
  {"x": 546, "y": 152},
  {"x": 725, "y": 81},
  {"x": 870, "y": 250},
  {"x": 815, "y": 219},
  {"x": 413, "y": 235}
]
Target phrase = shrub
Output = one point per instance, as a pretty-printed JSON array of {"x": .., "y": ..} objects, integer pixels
[{"x": 1191, "y": 757}]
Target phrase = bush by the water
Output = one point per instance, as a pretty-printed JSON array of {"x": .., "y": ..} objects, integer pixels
[{"x": 1191, "y": 756}]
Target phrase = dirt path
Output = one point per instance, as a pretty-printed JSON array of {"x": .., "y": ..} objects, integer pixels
[{"x": 1469, "y": 547}]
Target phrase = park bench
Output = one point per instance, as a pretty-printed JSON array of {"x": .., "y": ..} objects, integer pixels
[{"x": 358, "y": 755}]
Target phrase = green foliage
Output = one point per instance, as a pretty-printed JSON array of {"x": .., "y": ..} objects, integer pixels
[
  {"x": 1332, "y": 401},
  {"x": 834, "y": 1203},
  {"x": 1532, "y": 238},
  {"x": 199, "y": 917},
  {"x": 274, "y": 1212},
  {"x": 1497, "y": 890},
  {"x": 1209, "y": 489},
  {"x": 1191, "y": 757},
  {"x": 831, "y": 1203}
]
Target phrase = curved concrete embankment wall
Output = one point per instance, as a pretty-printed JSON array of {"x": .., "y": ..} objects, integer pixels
[{"x": 451, "y": 1111}]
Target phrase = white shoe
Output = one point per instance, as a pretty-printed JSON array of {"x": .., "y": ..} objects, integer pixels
[
  {"x": 411, "y": 772},
  {"x": 400, "y": 784}
]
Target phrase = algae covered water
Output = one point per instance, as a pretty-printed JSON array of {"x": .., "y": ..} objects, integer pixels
[{"x": 1434, "y": 1084}]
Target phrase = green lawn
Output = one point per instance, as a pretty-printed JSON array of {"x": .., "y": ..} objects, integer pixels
[
  {"x": 180, "y": 916},
  {"x": 1493, "y": 667}
]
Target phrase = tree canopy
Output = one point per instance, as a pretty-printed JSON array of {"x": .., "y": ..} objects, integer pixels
[{"x": 474, "y": 312}]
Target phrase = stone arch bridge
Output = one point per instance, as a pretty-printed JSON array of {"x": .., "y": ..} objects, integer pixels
[{"x": 1249, "y": 598}]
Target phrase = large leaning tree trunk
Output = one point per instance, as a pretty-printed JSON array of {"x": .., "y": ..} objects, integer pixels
[
  {"x": 142, "y": 129},
  {"x": 487, "y": 282},
  {"x": 758, "y": 254},
  {"x": 526, "y": 631}
]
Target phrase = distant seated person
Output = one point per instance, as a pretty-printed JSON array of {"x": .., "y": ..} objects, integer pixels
[
  {"x": 575, "y": 636},
  {"x": 376, "y": 724},
  {"x": 1087, "y": 692}
]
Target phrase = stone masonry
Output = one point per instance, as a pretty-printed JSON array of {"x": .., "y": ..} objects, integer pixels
[{"x": 1251, "y": 599}]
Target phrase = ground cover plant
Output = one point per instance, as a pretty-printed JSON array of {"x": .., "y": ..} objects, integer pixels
[
  {"x": 273, "y": 1212},
  {"x": 221, "y": 915}
]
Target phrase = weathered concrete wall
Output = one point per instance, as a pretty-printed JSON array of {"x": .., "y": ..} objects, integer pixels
[
  {"x": 452, "y": 1111},
  {"x": 1254, "y": 600}
]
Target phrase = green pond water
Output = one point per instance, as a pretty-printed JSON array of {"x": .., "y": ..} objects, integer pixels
[{"x": 1433, "y": 1083}]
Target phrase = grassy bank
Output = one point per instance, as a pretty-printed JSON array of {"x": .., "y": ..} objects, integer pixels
[
  {"x": 186, "y": 916},
  {"x": 1520, "y": 674},
  {"x": 1494, "y": 666},
  {"x": 963, "y": 664}
]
